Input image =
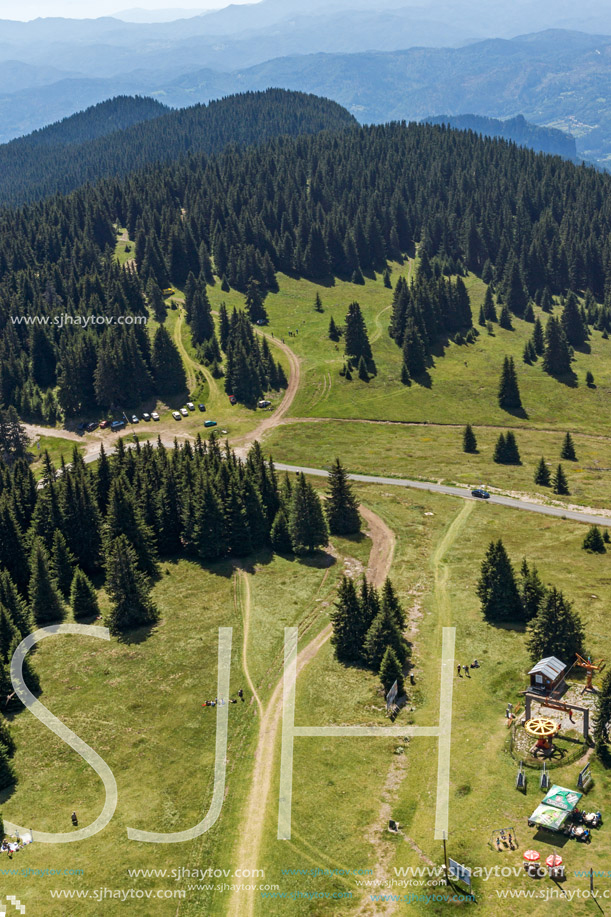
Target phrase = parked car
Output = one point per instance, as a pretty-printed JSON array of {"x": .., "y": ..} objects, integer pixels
[
  {"x": 210, "y": 423},
  {"x": 233, "y": 399},
  {"x": 92, "y": 426},
  {"x": 481, "y": 493},
  {"x": 155, "y": 415},
  {"x": 201, "y": 406},
  {"x": 104, "y": 424},
  {"x": 176, "y": 415},
  {"x": 117, "y": 425},
  {"x": 146, "y": 416},
  {"x": 261, "y": 321},
  {"x": 184, "y": 412},
  {"x": 135, "y": 418},
  {"x": 263, "y": 404},
  {"x": 82, "y": 426},
  {"x": 190, "y": 405}
]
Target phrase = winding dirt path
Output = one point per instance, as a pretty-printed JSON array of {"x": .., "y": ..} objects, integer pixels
[
  {"x": 243, "y": 603},
  {"x": 277, "y": 417},
  {"x": 253, "y": 821}
]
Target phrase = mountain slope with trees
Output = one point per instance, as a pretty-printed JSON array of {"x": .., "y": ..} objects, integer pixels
[{"x": 118, "y": 136}]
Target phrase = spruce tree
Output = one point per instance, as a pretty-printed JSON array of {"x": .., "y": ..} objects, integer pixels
[
  {"x": 590, "y": 379},
  {"x": 593, "y": 541},
  {"x": 333, "y": 330},
  {"x": 127, "y": 587},
  {"x": 469, "y": 442},
  {"x": 557, "y": 354},
  {"x": 83, "y": 598},
  {"x": 307, "y": 525},
  {"x": 45, "y": 600},
  {"x": 124, "y": 517},
  {"x": 355, "y": 335},
  {"x": 497, "y": 588},
  {"x": 347, "y": 638},
  {"x": 560, "y": 483},
  {"x": 532, "y": 590},
  {"x": 556, "y": 630},
  {"x": 516, "y": 296},
  {"x": 280, "y": 535},
  {"x": 362, "y": 369},
  {"x": 505, "y": 319},
  {"x": 383, "y": 633},
  {"x": 391, "y": 602},
  {"x": 489, "y": 307},
  {"x": 500, "y": 450},
  {"x": 62, "y": 563},
  {"x": 168, "y": 370},
  {"x": 318, "y": 303},
  {"x": 542, "y": 474},
  {"x": 254, "y": 303},
  {"x": 391, "y": 670},
  {"x": 573, "y": 324},
  {"x": 341, "y": 506},
  {"x": 538, "y": 337},
  {"x": 14, "y": 604},
  {"x": 509, "y": 393},
  {"x": 512, "y": 454},
  {"x": 568, "y": 449}
]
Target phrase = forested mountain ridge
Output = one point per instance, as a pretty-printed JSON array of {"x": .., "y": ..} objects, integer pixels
[
  {"x": 518, "y": 129},
  {"x": 317, "y": 206},
  {"x": 96, "y": 121},
  {"x": 123, "y": 134}
]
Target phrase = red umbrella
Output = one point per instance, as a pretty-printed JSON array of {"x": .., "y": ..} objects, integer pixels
[
  {"x": 531, "y": 855},
  {"x": 554, "y": 859}
]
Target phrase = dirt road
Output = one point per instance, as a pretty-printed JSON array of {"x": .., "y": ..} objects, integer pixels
[{"x": 242, "y": 904}]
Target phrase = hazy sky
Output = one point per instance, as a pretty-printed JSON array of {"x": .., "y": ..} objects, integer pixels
[{"x": 90, "y": 9}]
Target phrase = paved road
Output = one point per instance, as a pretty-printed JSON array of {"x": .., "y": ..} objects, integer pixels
[{"x": 464, "y": 493}]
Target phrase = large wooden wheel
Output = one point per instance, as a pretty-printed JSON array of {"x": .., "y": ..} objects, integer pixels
[{"x": 541, "y": 727}]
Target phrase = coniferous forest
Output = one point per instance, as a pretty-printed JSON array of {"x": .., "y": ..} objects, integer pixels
[{"x": 316, "y": 206}]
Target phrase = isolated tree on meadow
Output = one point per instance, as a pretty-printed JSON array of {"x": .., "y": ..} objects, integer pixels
[
  {"x": 593, "y": 541},
  {"x": 560, "y": 483},
  {"x": 568, "y": 449},
  {"x": 355, "y": 335},
  {"x": 509, "y": 392},
  {"x": 543, "y": 475},
  {"x": 341, "y": 506},
  {"x": 469, "y": 441}
]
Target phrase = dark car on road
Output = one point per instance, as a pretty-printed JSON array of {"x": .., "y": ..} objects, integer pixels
[{"x": 481, "y": 493}]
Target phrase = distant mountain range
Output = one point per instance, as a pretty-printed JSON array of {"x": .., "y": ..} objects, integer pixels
[
  {"x": 352, "y": 51},
  {"x": 121, "y": 135}
]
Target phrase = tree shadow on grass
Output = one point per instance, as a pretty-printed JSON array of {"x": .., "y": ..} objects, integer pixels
[
  {"x": 520, "y": 413},
  {"x": 136, "y": 635},
  {"x": 569, "y": 379},
  {"x": 6, "y": 793}
]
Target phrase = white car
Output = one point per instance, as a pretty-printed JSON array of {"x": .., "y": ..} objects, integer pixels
[
  {"x": 184, "y": 412},
  {"x": 190, "y": 405},
  {"x": 175, "y": 415},
  {"x": 155, "y": 415},
  {"x": 263, "y": 404}
]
